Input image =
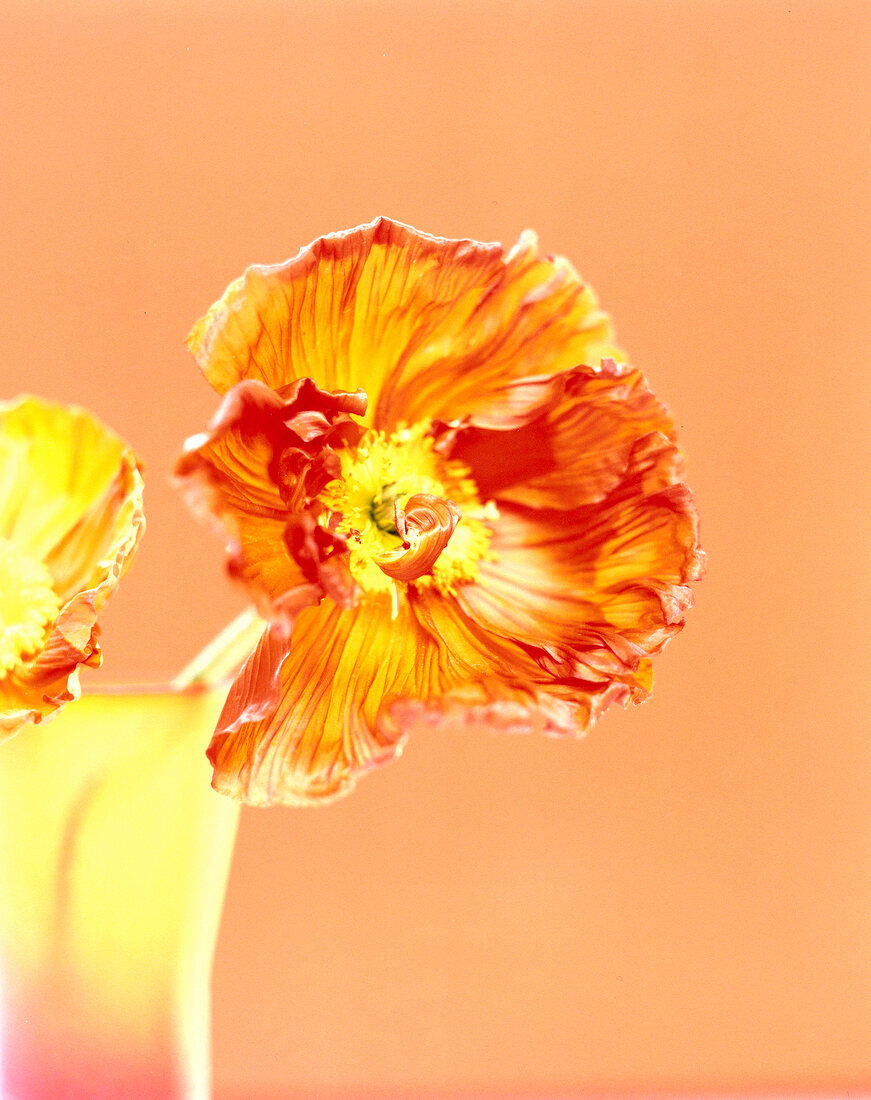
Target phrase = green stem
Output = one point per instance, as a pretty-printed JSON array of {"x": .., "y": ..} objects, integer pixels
[{"x": 224, "y": 655}]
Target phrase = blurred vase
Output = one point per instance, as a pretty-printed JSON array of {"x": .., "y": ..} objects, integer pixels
[{"x": 114, "y": 854}]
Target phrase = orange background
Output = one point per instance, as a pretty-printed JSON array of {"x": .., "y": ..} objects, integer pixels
[{"x": 681, "y": 903}]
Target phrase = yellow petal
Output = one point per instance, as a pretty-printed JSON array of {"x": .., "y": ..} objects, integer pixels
[{"x": 70, "y": 500}]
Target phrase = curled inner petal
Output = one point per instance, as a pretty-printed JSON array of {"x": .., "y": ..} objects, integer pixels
[
  {"x": 397, "y": 503},
  {"x": 321, "y": 554},
  {"x": 425, "y": 525},
  {"x": 259, "y": 468},
  {"x": 315, "y": 423}
]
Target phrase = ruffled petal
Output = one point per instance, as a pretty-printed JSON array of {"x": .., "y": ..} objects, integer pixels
[
  {"x": 595, "y": 591},
  {"x": 57, "y": 466},
  {"x": 310, "y": 712},
  {"x": 35, "y": 692},
  {"x": 263, "y": 460},
  {"x": 531, "y": 319},
  {"x": 429, "y": 327},
  {"x": 574, "y": 445},
  {"x": 495, "y": 681},
  {"x": 71, "y": 498},
  {"x": 584, "y": 541}
]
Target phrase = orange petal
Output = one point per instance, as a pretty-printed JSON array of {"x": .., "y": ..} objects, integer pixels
[
  {"x": 22, "y": 703},
  {"x": 595, "y": 591},
  {"x": 70, "y": 497},
  {"x": 521, "y": 651},
  {"x": 574, "y": 447},
  {"x": 431, "y": 328},
  {"x": 530, "y": 319},
  {"x": 263, "y": 459},
  {"x": 492, "y": 680},
  {"x": 308, "y": 714}
]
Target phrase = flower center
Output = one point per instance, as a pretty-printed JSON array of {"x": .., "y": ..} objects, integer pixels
[
  {"x": 28, "y": 603},
  {"x": 385, "y": 472},
  {"x": 383, "y": 508}
]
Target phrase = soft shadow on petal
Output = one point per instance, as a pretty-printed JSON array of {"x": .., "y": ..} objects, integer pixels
[
  {"x": 225, "y": 479},
  {"x": 572, "y": 449},
  {"x": 307, "y": 715},
  {"x": 58, "y": 466}
]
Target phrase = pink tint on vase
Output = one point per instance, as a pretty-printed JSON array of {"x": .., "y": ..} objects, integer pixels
[{"x": 114, "y": 854}]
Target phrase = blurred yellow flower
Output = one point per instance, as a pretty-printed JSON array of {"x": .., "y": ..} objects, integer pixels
[
  {"x": 446, "y": 491},
  {"x": 70, "y": 519}
]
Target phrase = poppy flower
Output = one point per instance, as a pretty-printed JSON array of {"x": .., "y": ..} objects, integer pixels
[
  {"x": 446, "y": 492},
  {"x": 70, "y": 519}
]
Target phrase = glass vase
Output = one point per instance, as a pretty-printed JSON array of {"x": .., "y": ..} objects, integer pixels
[{"x": 114, "y": 854}]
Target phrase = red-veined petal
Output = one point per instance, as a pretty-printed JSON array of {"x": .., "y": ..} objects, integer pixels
[
  {"x": 310, "y": 713},
  {"x": 263, "y": 460},
  {"x": 575, "y": 446},
  {"x": 429, "y": 327},
  {"x": 596, "y": 590}
]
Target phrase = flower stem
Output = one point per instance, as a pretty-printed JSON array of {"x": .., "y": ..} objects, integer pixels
[{"x": 224, "y": 655}]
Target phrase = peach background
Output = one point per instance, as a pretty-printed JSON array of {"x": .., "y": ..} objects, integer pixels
[{"x": 682, "y": 902}]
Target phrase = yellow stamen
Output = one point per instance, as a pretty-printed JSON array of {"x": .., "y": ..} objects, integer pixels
[
  {"x": 28, "y": 603},
  {"x": 386, "y": 470}
]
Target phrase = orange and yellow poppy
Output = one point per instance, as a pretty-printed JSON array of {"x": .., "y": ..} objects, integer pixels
[
  {"x": 446, "y": 491},
  {"x": 70, "y": 520}
]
